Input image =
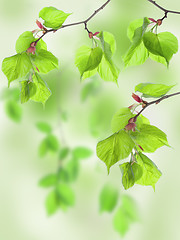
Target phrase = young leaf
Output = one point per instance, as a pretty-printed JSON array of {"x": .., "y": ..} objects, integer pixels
[
  {"x": 153, "y": 90},
  {"x": 151, "y": 173},
  {"x": 158, "y": 59},
  {"x": 51, "y": 203},
  {"x": 108, "y": 198},
  {"x": 81, "y": 152},
  {"x": 72, "y": 169},
  {"x": 28, "y": 89},
  {"x": 65, "y": 194},
  {"x": 44, "y": 127},
  {"x": 141, "y": 120},
  {"x": 16, "y": 66},
  {"x": 87, "y": 59},
  {"x": 133, "y": 26},
  {"x": 42, "y": 91},
  {"x": 149, "y": 137},
  {"x": 13, "y": 110},
  {"x": 63, "y": 153},
  {"x": 120, "y": 119},
  {"x": 164, "y": 44},
  {"x": 53, "y": 18},
  {"x": 41, "y": 45},
  {"x": 108, "y": 44},
  {"x": 45, "y": 61},
  {"x": 114, "y": 148},
  {"x": 50, "y": 143},
  {"x": 24, "y": 41},
  {"x": 128, "y": 178},
  {"x": 48, "y": 181}
]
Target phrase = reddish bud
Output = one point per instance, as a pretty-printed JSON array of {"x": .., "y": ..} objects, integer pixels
[
  {"x": 96, "y": 33},
  {"x": 37, "y": 69},
  {"x": 159, "y": 22},
  {"x": 31, "y": 50},
  {"x": 152, "y": 20},
  {"x": 137, "y": 98},
  {"x": 130, "y": 126},
  {"x": 140, "y": 147},
  {"x": 39, "y": 24},
  {"x": 90, "y": 35},
  {"x": 133, "y": 106}
]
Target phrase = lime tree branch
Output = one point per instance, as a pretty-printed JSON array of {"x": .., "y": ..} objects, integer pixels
[
  {"x": 166, "y": 11},
  {"x": 76, "y": 23},
  {"x": 147, "y": 104}
]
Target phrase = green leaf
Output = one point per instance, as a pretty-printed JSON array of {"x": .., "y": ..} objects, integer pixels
[
  {"x": 28, "y": 89},
  {"x": 108, "y": 44},
  {"x": 149, "y": 137},
  {"x": 158, "y": 59},
  {"x": 53, "y": 18},
  {"x": 41, "y": 45},
  {"x": 45, "y": 61},
  {"x": 164, "y": 44},
  {"x": 141, "y": 120},
  {"x": 151, "y": 173},
  {"x": 87, "y": 59},
  {"x": 64, "y": 153},
  {"x": 130, "y": 173},
  {"x": 82, "y": 152},
  {"x": 153, "y": 90},
  {"x": 16, "y": 66},
  {"x": 48, "y": 181},
  {"x": 72, "y": 170},
  {"x": 108, "y": 198},
  {"x": 108, "y": 71},
  {"x": 120, "y": 119},
  {"x": 137, "y": 53},
  {"x": 51, "y": 203},
  {"x": 42, "y": 91},
  {"x": 133, "y": 26},
  {"x": 130, "y": 208},
  {"x": 44, "y": 127},
  {"x": 49, "y": 144},
  {"x": 24, "y": 41},
  {"x": 114, "y": 148},
  {"x": 66, "y": 194},
  {"x": 13, "y": 111}
]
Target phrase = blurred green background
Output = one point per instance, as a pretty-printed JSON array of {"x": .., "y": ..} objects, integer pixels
[{"x": 22, "y": 211}]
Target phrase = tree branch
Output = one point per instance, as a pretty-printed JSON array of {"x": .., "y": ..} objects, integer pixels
[
  {"x": 166, "y": 11},
  {"x": 147, "y": 104},
  {"x": 76, "y": 23}
]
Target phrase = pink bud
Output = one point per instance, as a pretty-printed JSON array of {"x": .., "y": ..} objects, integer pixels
[
  {"x": 31, "y": 50},
  {"x": 137, "y": 98},
  {"x": 130, "y": 126},
  {"x": 39, "y": 24},
  {"x": 152, "y": 19}
]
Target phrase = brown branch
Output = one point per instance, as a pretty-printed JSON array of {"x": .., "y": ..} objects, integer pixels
[
  {"x": 76, "y": 23},
  {"x": 154, "y": 102}
]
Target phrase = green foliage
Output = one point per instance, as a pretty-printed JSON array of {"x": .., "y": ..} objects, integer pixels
[
  {"x": 120, "y": 119},
  {"x": 44, "y": 127},
  {"x": 53, "y": 18},
  {"x": 81, "y": 152},
  {"x": 28, "y": 90},
  {"x": 17, "y": 66},
  {"x": 125, "y": 215},
  {"x": 24, "y": 41},
  {"x": 49, "y": 144},
  {"x": 153, "y": 90},
  {"x": 13, "y": 110},
  {"x": 48, "y": 181},
  {"x": 164, "y": 44},
  {"x": 63, "y": 153},
  {"x": 108, "y": 198},
  {"x": 118, "y": 146},
  {"x": 51, "y": 203}
]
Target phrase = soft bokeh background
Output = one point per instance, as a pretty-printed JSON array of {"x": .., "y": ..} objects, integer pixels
[{"x": 22, "y": 211}]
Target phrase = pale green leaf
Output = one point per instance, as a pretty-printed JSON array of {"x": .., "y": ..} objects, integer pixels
[
  {"x": 13, "y": 111},
  {"x": 51, "y": 203},
  {"x": 44, "y": 127},
  {"x": 28, "y": 89},
  {"x": 82, "y": 152},
  {"x": 48, "y": 181},
  {"x": 65, "y": 194}
]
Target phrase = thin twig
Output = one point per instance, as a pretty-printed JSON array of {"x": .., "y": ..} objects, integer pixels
[
  {"x": 76, "y": 23},
  {"x": 154, "y": 102},
  {"x": 166, "y": 11}
]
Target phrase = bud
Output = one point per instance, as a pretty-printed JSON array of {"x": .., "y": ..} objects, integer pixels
[
  {"x": 140, "y": 147},
  {"x": 152, "y": 20},
  {"x": 96, "y": 33},
  {"x": 159, "y": 22},
  {"x": 137, "y": 98},
  {"x": 39, "y": 24},
  {"x": 90, "y": 35},
  {"x": 31, "y": 50},
  {"x": 130, "y": 126}
]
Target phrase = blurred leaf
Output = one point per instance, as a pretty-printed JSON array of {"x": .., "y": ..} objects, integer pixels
[
  {"x": 51, "y": 203},
  {"x": 151, "y": 173},
  {"x": 53, "y": 18},
  {"x": 149, "y": 137},
  {"x": 153, "y": 90},
  {"x": 10, "y": 94},
  {"x": 90, "y": 89},
  {"x": 64, "y": 152},
  {"x": 13, "y": 111},
  {"x": 44, "y": 127},
  {"x": 72, "y": 169},
  {"x": 164, "y": 44},
  {"x": 87, "y": 58},
  {"x": 50, "y": 143},
  {"x": 108, "y": 198},
  {"x": 16, "y": 66},
  {"x": 42, "y": 91},
  {"x": 130, "y": 208},
  {"x": 45, "y": 61},
  {"x": 24, "y": 41},
  {"x": 48, "y": 181},
  {"x": 66, "y": 194},
  {"x": 63, "y": 175},
  {"x": 114, "y": 148},
  {"x": 28, "y": 89},
  {"x": 82, "y": 152},
  {"x": 120, "y": 119}
]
